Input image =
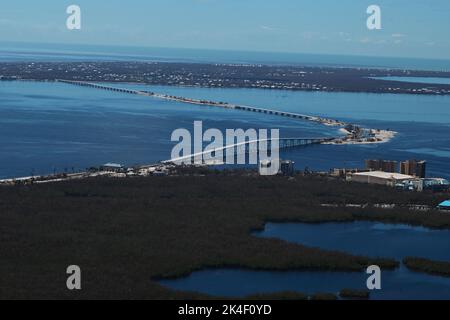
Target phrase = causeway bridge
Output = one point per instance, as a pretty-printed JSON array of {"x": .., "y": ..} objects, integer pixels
[
  {"x": 254, "y": 146},
  {"x": 325, "y": 121},
  {"x": 245, "y": 147}
]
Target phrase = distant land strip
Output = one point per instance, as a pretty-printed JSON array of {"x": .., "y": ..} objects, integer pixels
[{"x": 253, "y": 76}]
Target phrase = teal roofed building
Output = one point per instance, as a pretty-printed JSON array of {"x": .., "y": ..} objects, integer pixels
[{"x": 445, "y": 205}]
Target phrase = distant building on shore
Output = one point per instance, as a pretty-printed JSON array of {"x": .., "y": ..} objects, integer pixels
[
  {"x": 112, "y": 167},
  {"x": 343, "y": 172},
  {"x": 444, "y": 205},
  {"x": 435, "y": 184},
  {"x": 382, "y": 165},
  {"x": 379, "y": 177},
  {"x": 287, "y": 168},
  {"x": 264, "y": 165},
  {"x": 414, "y": 168}
]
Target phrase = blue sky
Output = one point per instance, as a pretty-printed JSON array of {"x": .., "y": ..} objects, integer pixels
[{"x": 414, "y": 28}]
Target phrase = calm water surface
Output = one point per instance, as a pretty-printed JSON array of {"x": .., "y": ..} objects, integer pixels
[
  {"x": 398, "y": 284},
  {"x": 26, "y": 52},
  {"x": 49, "y": 126},
  {"x": 367, "y": 238},
  {"x": 425, "y": 80}
]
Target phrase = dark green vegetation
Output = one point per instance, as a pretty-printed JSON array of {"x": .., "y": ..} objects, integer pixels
[
  {"x": 354, "y": 294},
  {"x": 439, "y": 268},
  {"x": 125, "y": 232}
]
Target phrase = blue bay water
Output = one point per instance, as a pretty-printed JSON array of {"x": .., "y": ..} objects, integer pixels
[
  {"x": 53, "y": 126},
  {"x": 425, "y": 80},
  {"x": 422, "y": 123},
  {"x": 400, "y": 284},
  {"x": 361, "y": 238},
  {"x": 46, "y": 127},
  {"x": 366, "y": 238}
]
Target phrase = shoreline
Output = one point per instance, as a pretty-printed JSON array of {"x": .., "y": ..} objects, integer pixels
[
  {"x": 305, "y": 78},
  {"x": 378, "y": 136}
]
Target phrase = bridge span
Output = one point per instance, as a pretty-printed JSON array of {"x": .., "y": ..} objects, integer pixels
[
  {"x": 325, "y": 121},
  {"x": 248, "y": 146}
]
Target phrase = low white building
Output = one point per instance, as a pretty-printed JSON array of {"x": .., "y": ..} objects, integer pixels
[{"x": 379, "y": 177}]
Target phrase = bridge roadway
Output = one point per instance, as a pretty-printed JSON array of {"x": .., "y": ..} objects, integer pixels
[
  {"x": 253, "y": 145},
  {"x": 321, "y": 120}
]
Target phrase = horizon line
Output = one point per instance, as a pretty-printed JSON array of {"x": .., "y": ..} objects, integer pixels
[{"x": 217, "y": 50}]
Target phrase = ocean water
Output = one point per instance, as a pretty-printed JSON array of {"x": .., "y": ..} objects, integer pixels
[
  {"x": 14, "y": 52},
  {"x": 47, "y": 127}
]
